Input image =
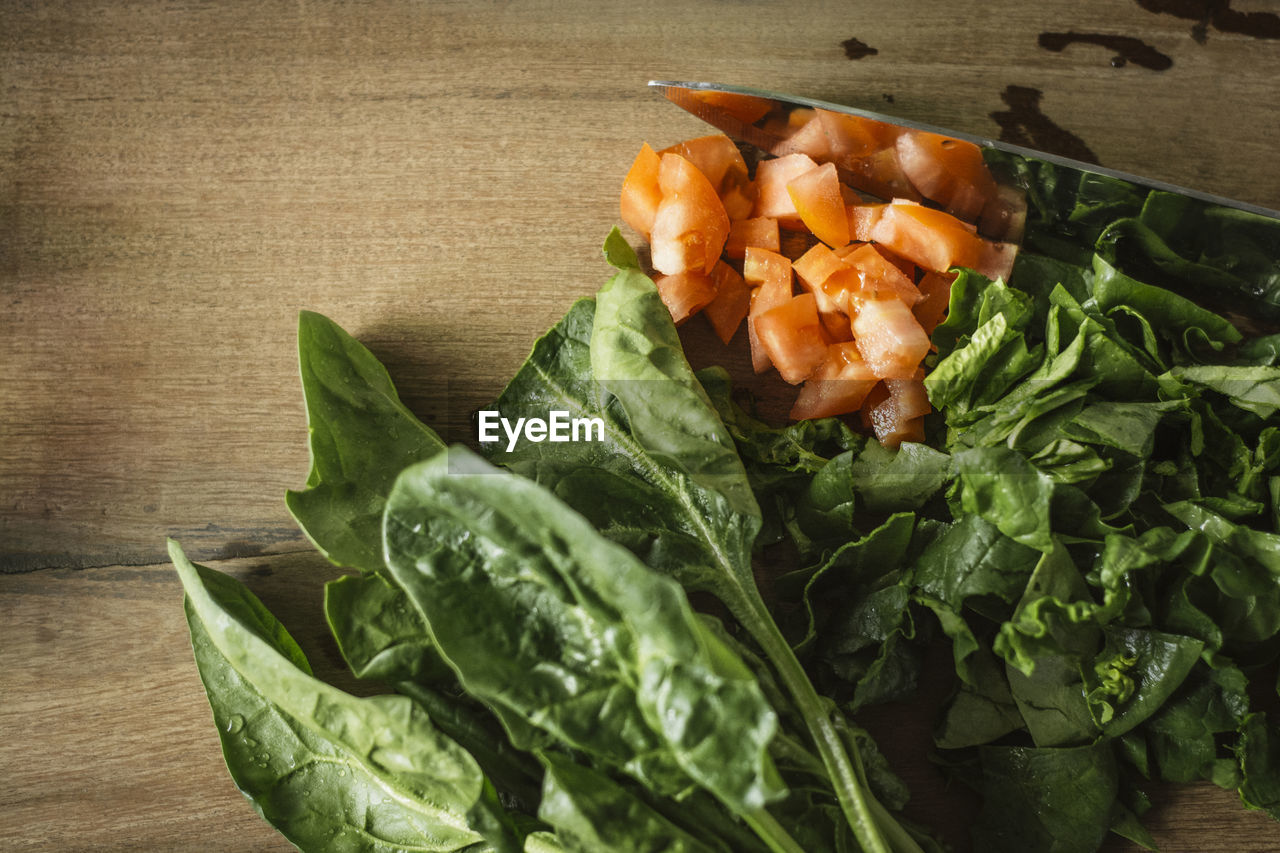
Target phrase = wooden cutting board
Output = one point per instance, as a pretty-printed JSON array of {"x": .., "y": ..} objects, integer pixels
[{"x": 177, "y": 180}]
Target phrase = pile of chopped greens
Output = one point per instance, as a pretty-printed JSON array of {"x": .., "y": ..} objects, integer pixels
[{"x": 1092, "y": 529}]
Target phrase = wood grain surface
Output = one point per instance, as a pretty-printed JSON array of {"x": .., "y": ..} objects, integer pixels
[{"x": 178, "y": 179}]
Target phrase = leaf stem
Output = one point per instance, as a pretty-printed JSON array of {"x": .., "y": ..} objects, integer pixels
[
  {"x": 840, "y": 766},
  {"x": 771, "y": 832}
]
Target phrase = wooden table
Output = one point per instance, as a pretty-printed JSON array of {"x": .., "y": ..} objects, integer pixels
[{"x": 178, "y": 179}]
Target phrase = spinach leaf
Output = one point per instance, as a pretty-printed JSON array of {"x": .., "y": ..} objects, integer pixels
[
  {"x": 557, "y": 628},
  {"x": 1058, "y": 800},
  {"x": 379, "y": 632},
  {"x": 361, "y": 436},
  {"x": 591, "y": 812},
  {"x": 325, "y": 768}
]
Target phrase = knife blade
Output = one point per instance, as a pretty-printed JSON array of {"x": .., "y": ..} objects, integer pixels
[{"x": 759, "y": 118}]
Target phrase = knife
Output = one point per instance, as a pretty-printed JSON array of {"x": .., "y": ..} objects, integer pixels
[{"x": 763, "y": 119}]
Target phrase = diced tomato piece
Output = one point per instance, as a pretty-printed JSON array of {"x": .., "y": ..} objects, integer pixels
[
  {"x": 747, "y": 109},
  {"x": 1005, "y": 216},
  {"x": 810, "y": 139},
  {"x": 690, "y": 226},
  {"x": 791, "y": 335},
  {"x": 862, "y": 218},
  {"x": 899, "y": 416},
  {"x": 818, "y": 201},
  {"x": 851, "y": 138},
  {"x": 738, "y": 197},
  {"x": 909, "y": 396},
  {"x": 772, "y": 198},
  {"x": 760, "y": 232},
  {"x": 878, "y": 394},
  {"x": 889, "y": 338},
  {"x": 818, "y": 268},
  {"x": 996, "y": 259},
  {"x": 879, "y": 278},
  {"x": 640, "y": 191},
  {"x": 935, "y": 287},
  {"x": 838, "y": 385},
  {"x": 934, "y": 239},
  {"x": 769, "y": 273},
  {"x": 908, "y": 269},
  {"x": 948, "y": 171},
  {"x": 716, "y": 156},
  {"x": 881, "y": 175},
  {"x": 732, "y": 300},
  {"x": 685, "y": 293}
]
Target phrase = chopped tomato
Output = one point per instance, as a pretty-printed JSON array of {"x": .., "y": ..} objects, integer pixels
[
  {"x": 640, "y": 191},
  {"x": 716, "y": 156},
  {"x": 769, "y": 273},
  {"x": 851, "y": 138},
  {"x": 908, "y": 269},
  {"x": 729, "y": 307},
  {"x": 772, "y": 198},
  {"x": 810, "y": 139},
  {"x": 817, "y": 200},
  {"x": 837, "y": 387},
  {"x": 1005, "y": 216},
  {"x": 935, "y": 288},
  {"x": 747, "y": 109},
  {"x": 881, "y": 175},
  {"x": 685, "y": 293},
  {"x": 862, "y": 218},
  {"x": 738, "y": 197},
  {"x": 690, "y": 226},
  {"x": 898, "y": 417},
  {"x": 889, "y": 338},
  {"x": 760, "y": 232},
  {"x": 948, "y": 171},
  {"x": 830, "y": 280},
  {"x": 791, "y": 335},
  {"x": 937, "y": 241},
  {"x": 879, "y": 278}
]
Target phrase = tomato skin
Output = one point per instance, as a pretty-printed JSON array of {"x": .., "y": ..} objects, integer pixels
[
  {"x": 690, "y": 226},
  {"x": 732, "y": 301},
  {"x": 641, "y": 194},
  {"x": 837, "y": 387},
  {"x": 818, "y": 202},
  {"x": 937, "y": 241},
  {"x": 791, "y": 335}
]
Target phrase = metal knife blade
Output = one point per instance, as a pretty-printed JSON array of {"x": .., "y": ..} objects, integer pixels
[{"x": 755, "y": 116}]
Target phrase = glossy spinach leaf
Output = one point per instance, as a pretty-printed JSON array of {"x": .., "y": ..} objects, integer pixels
[
  {"x": 379, "y": 632},
  {"x": 591, "y": 813},
  {"x": 1057, "y": 800},
  {"x": 361, "y": 436},
  {"x": 559, "y": 629},
  {"x": 328, "y": 770}
]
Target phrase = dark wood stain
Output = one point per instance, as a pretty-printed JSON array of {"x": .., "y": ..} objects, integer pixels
[
  {"x": 1127, "y": 48},
  {"x": 1219, "y": 15},
  {"x": 1025, "y": 124},
  {"x": 857, "y": 49}
]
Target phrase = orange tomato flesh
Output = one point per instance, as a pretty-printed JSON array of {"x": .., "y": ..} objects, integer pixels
[
  {"x": 889, "y": 338},
  {"x": 817, "y": 200},
  {"x": 837, "y": 387},
  {"x": 948, "y": 171},
  {"x": 769, "y": 274},
  {"x": 732, "y": 300},
  {"x": 641, "y": 193},
  {"x": 716, "y": 156},
  {"x": 935, "y": 291},
  {"x": 760, "y": 232},
  {"x": 879, "y": 278},
  {"x": 772, "y": 198},
  {"x": 791, "y": 335},
  {"x": 685, "y": 293},
  {"x": 690, "y": 226}
]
